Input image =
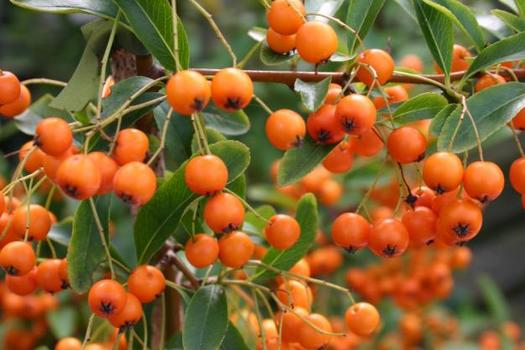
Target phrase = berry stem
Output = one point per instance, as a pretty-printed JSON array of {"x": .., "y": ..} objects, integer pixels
[
  {"x": 478, "y": 139},
  {"x": 249, "y": 55},
  {"x": 87, "y": 335},
  {"x": 145, "y": 327},
  {"x": 164, "y": 133},
  {"x": 162, "y": 336},
  {"x": 516, "y": 139},
  {"x": 51, "y": 248},
  {"x": 262, "y": 104},
  {"x": 175, "y": 34},
  {"x": 100, "y": 230},
  {"x": 340, "y": 23},
  {"x": 247, "y": 205},
  {"x": 44, "y": 81},
  {"x": 370, "y": 189},
  {"x": 259, "y": 318},
  {"x": 184, "y": 269}
]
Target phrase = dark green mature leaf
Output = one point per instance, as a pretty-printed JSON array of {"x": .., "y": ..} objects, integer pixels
[
  {"x": 325, "y": 7},
  {"x": 233, "y": 124},
  {"x": 465, "y": 20},
  {"x": 270, "y": 58},
  {"x": 424, "y": 106},
  {"x": 438, "y": 32},
  {"x": 62, "y": 321},
  {"x": 285, "y": 259},
  {"x": 312, "y": 94},
  {"x": 159, "y": 218},
  {"x": 206, "y": 319},
  {"x": 180, "y": 133},
  {"x": 101, "y": 8},
  {"x": 233, "y": 339},
  {"x": 361, "y": 15},
  {"x": 85, "y": 251},
  {"x": 492, "y": 109},
  {"x": 152, "y": 23},
  {"x": 514, "y": 22},
  {"x": 509, "y": 49},
  {"x": 495, "y": 300},
  {"x": 28, "y": 120},
  {"x": 212, "y": 135},
  {"x": 299, "y": 161},
  {"x": 439, "y": 120}
]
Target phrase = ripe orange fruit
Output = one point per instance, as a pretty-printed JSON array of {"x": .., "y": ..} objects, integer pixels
[
  {"x": 9, "y": 87},
  {"x": 295, "y": 294},
  {"x": 291, "y": 324},
  {"x": 146, "y": 282},
  {"x": 367, "y": 144},
  {"x": 37, "y": 224},
  {"x": 421, "y": 226},
  {"x": 51, "y": 164},
  {"x": 224, "y": 213},
  {"x": 517, "y": 175},
  {"x": 278, "y": 42},
  {"x": 340, "y": 159},
  {"x": 406, "y": 145},
  {"x": 22, "y": 285},
  {"x": 130, "y": 314},
  {"x": 135, "y": 183},
  {"x": 489, "y": 80},
  {"x": 286, "y": 17},
  {"x": 79, "y": 177},
  {"x": 378, "y": 60},
  {"x": 311, "y": 338},
  {"x": 107, "y": 167},
  {"x": 131, "y": 146},
  {"x": 323, "y": 126},
  {"x": 231, "y": 89},
  {"x": 18, "y": 106},
  {"x": 412, "y": 62},
  {"x": 330, "y": 192},
  {"x": 362, "y": 319},
  {"x": 188, "y": 92},
  {"x": 34, "y": 161},
  {"x": 389, "y": 238},
  {"x": 459, "y": 58},
  {"x": 518, "y": 121},
  {"x": 351, "y": 231},
  {"x": 459, "y": 221},
  {"x": 424, "y": 197},
  {"x": 395, "y": 94},
  {"x": 483, "y": 180},
  {"x": 285, "y": 129},
  {"x": 443, "y": 172},
  {"x": 356, "y": 113},
  {"x": 17, "y": 258},
  {"x": 461, "y": 257},
  {"x": 53, "y": 136},
  {"x": 48, "y": 276},
  {"x": 206, "y": 175},
  {"x": 69, "y": 343},
  {"x": 202, "y": 250},
  {"x": 282, "y": 231},
  {"x": 313, "y": 181},
  {"x": 106, "y": 298},
  {"x": 235, "y": 249},
  {"x": 316, "y": 42},
  {"x": 334, "y": 93}
]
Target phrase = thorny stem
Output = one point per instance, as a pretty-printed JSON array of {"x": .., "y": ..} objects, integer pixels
[
  {"x": 162, "y": 137},
  {"x": 100, "y": 230}
]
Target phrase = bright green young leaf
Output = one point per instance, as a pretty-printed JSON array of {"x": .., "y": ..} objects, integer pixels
[
  {"x": 270, "y": 58},
  {"x": 62, "y": 321},
  {"x": 312, "y": 94},
  {"x": 424, "y": 106},
  {"x": 85, "y": 251},
  {"x": 509, "y": 49},
  {"x": 232, "y": 124},
  {"x": 491, "y": 109},
  {"x": 233, "y": 339},
  {"x": 299, "y": 161},
  {"x": 438, "y": 31},
  {"x": 206, "y": 320},
  {"x": 520, "y": 4},
  {"x": 101, "y": 8},
  {"x": 511, "y": 20},
  {"x": 360, "y": 16},
  {"x": 27, "y": 121},
  {"x": 159, "y": 218},
  {"x": 285, "y": 259},
  {"x": 439, "y": 120}
]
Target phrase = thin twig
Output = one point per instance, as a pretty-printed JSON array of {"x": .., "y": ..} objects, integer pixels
[{"x": 102, "y": 235}]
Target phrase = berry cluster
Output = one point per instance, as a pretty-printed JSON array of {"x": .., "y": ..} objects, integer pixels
[{"x": 15, "y": 98}]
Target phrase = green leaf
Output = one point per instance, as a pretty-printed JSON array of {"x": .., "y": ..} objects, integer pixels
[
  {"x": 159, "y": 218},
  {"x": 520, "y": 4},
  {"x": 424, "y": 106},
  {"x": 206, "y": 319},
  {"x": 285, "y": 259},
  {"x": 257, "y": 33},
  {"x": 312, "y": 94},
  {"x": 253, "y": 224},
  {"x": 439, "y": 120},
  {"x": 152, "y": 23},
  {"x": 28, "y": 120},
  {"x": 514, "y": 22},
  {"x": 233, "y": 339},
  {"x": 101, "y": 8},
  {"x": 238, "y": 186},
  {"x": 361, "y": 15},
  {"x": 465, "y": 20},
  {"x": 495, "y": 300},
  {"x": 270, "y": 58},
  {"x": 85, "y": 251},
  {"x": 438, "y": 32},
  {"x": 212, "y": 135},
  {"x": 299, "y": 161},
  {"x": 511, "y": 4},
  {"x": 232, "y": 124},
  {"x": 511, "y": 48},
  {"x": 61, "y": 231},
  {"x": 325, "y": 7},
  {"x": 491, "y": 109},
  {"x": 180, "y": 133},
  {"x": 62, "y": 321},
  {"x": 408, "y": 7}
]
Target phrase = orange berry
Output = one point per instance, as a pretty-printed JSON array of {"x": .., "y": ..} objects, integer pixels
[
  {"x": 22, "y": 285},
  {"x": 489, "y": 80},
  {"x": 34, "y": 161},
  {"x": 311, "y": 338},
  {"x": 517, "y": 175},
  {"x": 459, "y": 58},
  {"x": 378, "y": 60},
  {"x": 224, "y": 212},
  {"x": 131, "y": 146},
  {"x": 231, "y": 89},
  {"x": 314, "y": 180},
  {"x": 323, "y": 125},
  {"x": 461, "y": 257},
  {"x": 483, "y": 180},
  {"x": 17, "y": 258},
  {"x": 295, "y": 294},
  {"x": 235, "y": 249},
  {"x": 37, "y": 224},
  {"x": 367, "y": 144},
  {"x": 146, "y": 282},
  {"x": 188, "y": 92},
  {"x": 459, "y": 221},
  {"x": 286, "y": 16},
  {"x": 201, "y": 250},
  {"x": 291, "y": 324},
  {"x": 334, "y": 93},
  {"x": 362, "y": 319},
  {"x": 351, "y": 231},
  {"x": 107, "y": 167},
  {"x": 79, "y": 177},
  {"x": 206, "y": 175},
  {"x": 389, "y": 238},
  {"x": 282, "y": 231},
  {"x": 406, "y": 145},
  {"x": 395, "y": 94},
  {"x": 518, "y": 121},
  {"x": 9, "y": 87},
  {"x": 412, "y": 62},
  {"x": 18, "y": 106},
  {"x": 53, "y": 136},
  {"x": 68, "y": 344},
  {"x": 280, "y": 43},
  {"x": 48, "y": 276},
  {"x": 340, "y": 159},
  {"x": 331, "y": 192},
  {"x": 135, "y": 183},
  {"x": 130, "y": 314},
  {"x": 316, "y": 42},
  {"x": 51, "y": 164},
  {"x": 356, "y": 113},
  {"x": 106, "y": 298},
  {"x": 443, "y": 172},
  {"x": 285, "y": 129},
  {"x": 421, "y": 226}
]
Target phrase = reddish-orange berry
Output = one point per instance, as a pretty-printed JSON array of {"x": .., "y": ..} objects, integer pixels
[
  {"x": 17, "y": 258},
  {"x": 459, "y": 221},
  {"x": 280, "y": 43},
  {"x": 412, "y": 62},
  {"x": 131, "y": 146},
  {"x": 461, "y": 257},
  {"x": 367, "y": 144},
  {"x": 443, "y": 172},
  {"x": 489, "y": 80},
  {"x": 188, "y": 92},
  {"x": 231, "y": 89},
  {"x": 34, "y": 160},
  {"x": 316, "y": 42},
  {"x": 324, "y": 127},
  {"x": 51, "y": 164},
  {"x": 48, "y": 276},
  {"x": 235, "y": 249},
  {"x": 130, "y": 314},
  {"x": 340, "y": 159},
  {"x": 146, "y": 282},
  {"x": 421, "y": 226},
  {"x": 68, "y": 344},
  {"x": 377, "y": 60},
  {"x": 106, "y": 298},
  {"x": 334, "y": 93},
  {"x": 63, "y": 273},
  {"x": 107, "y": 167},
  {"x": 424, "y": 197},
  {"x": 389, "y": 238},
  {"x": 406, "y": 145},
  {"x": 37, "y": 225},
  {"x": 9, "y": 87},
  {"x": 362, "y": 319},
  {"x": 18, "y": 106},
  {"x": 356, "y": 113},
  {"x": 286, "y": 17},
  {"x": 310, "y": 337},
  {"x": 202, "y": 250},
  {"x": 22, "y": 285},
  {"x": 135, "y": 183},
  {"x": 206, "y": 175},
  {"x": 483, "y": 180},
  {"x": 282, "y": 231},
  {"x": 295, "y": 294},
  {"x": 330, "y": 192},
  {"x": 224, "y": 212},
  {"x": 459, "y": 58},
  {"x": 351, "y": 231},
  {"x": 517, "y": 175},
  {"x": 285, "y": 129},
  {"x": 395, "y": 94},
  {"x": 53, "y": 136},
  {"x": 518, "y": 122},
  {"x": 79, "y": 177}
]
